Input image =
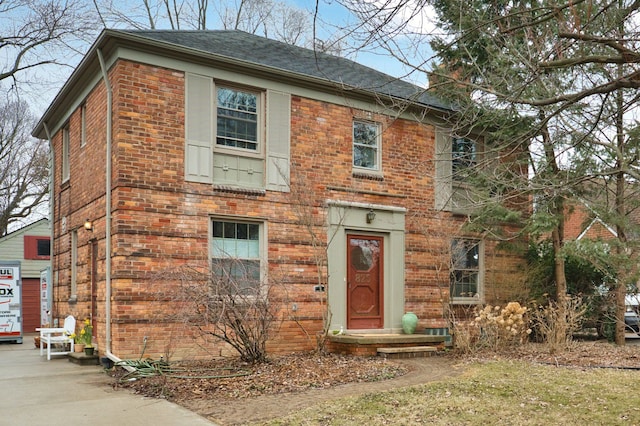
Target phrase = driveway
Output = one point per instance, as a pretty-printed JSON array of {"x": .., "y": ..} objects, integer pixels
[{"x": 34, "y": 391}]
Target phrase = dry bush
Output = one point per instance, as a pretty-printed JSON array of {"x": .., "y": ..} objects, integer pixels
[
  {"x": 493, "y": 328},
  {"x": 230, "y": 303},
  {"x": 556, "y": 322}
]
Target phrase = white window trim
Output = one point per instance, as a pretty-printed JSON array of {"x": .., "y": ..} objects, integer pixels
[
  {"x": 260, "y": 131},
  {"x": 480, "y": 290},
  {"x": 368, "y": 170}
]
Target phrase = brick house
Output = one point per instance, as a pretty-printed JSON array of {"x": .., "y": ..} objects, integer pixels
[{"x": 214, "y": 142}]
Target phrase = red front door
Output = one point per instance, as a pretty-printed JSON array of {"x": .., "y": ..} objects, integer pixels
[{"x": 364, "y": 282}]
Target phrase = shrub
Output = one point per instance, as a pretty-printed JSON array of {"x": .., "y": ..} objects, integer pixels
[
  {"x": 556, "y": 322},
  {"x": 493, "y": 327}
]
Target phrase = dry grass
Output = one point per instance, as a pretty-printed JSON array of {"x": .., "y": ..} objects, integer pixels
[{"x": 497, "y": 392}]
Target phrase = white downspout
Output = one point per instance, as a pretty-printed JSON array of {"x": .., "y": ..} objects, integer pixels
[
  {"x": 107, "y": 301},
  {"x": 52, "y": 169}
]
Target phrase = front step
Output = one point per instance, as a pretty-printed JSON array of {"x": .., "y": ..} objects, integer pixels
[
  {"x": 367, "y": 344},
  {"x": 407, "y": 352}
]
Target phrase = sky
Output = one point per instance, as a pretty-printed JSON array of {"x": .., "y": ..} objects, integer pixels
[{"x": 331, "y": 16}]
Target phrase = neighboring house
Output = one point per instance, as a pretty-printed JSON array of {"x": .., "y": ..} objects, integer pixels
[
  {"x": 582, "y": 222},
  {"x": 30, "y": 246},
  {"x": 222, "y": 144}
]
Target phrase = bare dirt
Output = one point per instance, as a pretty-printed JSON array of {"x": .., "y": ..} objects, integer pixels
[{"x": 229, "y": 392}]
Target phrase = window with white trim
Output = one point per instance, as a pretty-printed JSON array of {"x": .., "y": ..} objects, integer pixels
[
  {"x": 466, "y": 276},
  {"x": 236, "y": 254},
  {"x": 366, "y": 145}
]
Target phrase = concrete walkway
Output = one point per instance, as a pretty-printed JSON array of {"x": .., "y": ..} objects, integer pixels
[{"x": 34, "y": 391}]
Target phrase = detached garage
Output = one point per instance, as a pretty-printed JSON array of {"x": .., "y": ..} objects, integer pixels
[{"x": 31, "y": 247}]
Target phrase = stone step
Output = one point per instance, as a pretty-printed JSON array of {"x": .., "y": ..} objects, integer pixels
[
  {"x": 82, "y": 359},
  {"x": 407, "y": 352}
]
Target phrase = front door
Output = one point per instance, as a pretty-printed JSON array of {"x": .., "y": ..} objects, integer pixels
[{"x": 364, "y": 282}]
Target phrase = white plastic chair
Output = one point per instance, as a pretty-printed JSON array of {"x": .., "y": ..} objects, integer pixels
[{"x": 59, "y": 335}]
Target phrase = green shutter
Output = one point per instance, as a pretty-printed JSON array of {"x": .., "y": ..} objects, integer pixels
[
  {"x": 443, "y": 169},
  {"x": 278, "y": 137},
  {"x": 198, "y": 128}
]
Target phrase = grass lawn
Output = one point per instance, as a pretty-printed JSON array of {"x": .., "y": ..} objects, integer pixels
[{"x": 494, "y": 393}]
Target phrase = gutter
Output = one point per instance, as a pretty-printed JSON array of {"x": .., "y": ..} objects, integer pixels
[{"x": 107, "y": 301}]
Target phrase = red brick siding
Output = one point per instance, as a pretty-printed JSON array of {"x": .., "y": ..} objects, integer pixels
[{"x": 159, "y": 220}]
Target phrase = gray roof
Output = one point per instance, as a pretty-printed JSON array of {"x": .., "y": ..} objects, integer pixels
[{"x": 276, "y": 55}]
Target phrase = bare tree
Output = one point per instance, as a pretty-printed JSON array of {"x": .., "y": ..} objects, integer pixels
[
  {"x": 269, "y": 18},
  {"x": 41, "y": 33},
  {"x": 36, "y": 35},
  {"x": 23, "y": 166}
]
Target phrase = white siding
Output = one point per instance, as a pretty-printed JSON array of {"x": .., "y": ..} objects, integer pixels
[{"x": 12, "y": 248}]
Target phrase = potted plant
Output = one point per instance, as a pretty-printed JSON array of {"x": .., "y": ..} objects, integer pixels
[
  {"x": 86, "y": 336},
  {"x": 78, "y": 345}
]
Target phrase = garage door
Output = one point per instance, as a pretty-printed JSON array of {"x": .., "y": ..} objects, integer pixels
[{"x": 30, "y": 304}]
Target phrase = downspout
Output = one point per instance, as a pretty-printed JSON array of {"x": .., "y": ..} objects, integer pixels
[
  {"x": 107, "y": 301},
  {"x": 52, "y": 169}
]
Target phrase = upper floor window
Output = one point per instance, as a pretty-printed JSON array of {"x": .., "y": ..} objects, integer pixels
[
  {"x": 65, "y": 153},
  {"x": 466, "y": 277},
  {"x": 366, "y": 145},
  {"x": 463, "y": 156},
  {"x": 236, "y": 136},
  {"x": 37, "y": 247},
  {"x": 83, "y": 125},
  {"x": 237, "y": 118}
]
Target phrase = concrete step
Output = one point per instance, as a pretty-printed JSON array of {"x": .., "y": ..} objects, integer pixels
[
  {"x": 407, "y": 352},
  {"x": 81, "y": 359}
]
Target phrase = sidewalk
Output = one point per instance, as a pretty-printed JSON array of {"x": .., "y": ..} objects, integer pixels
[{"x": 35, "y": 391}]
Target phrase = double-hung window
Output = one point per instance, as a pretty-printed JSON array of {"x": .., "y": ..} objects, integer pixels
[
  {"x": 366, "y": 145},
  {"x": 235, "y": 255},
  {"x": 65, "y": 153},
  {"x": 463, "y": 157},
  {"x": 237, "y": 118},
  {"x": 466, "y": 276},
  {"x": 83, "y": 125},
  {"x": 236, "y": 137}
]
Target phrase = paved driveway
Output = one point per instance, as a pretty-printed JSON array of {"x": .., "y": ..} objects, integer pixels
[{"x": 34, "y": 391}]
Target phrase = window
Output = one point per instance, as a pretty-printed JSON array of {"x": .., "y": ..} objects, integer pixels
[
  {"x": 463, "y": 156},
  {"x": 43, "y": 247},
  {"x": 74, "y": 264},
  {"x": 36, "y": 247},
  {"x": 235, "y": 252},
  {"x": 465, "y": 270},
  {"x": 236, "y": 137},
  {"x": 83, "y": 125},
  {"x": 65, "y": 154},
  {"x": 366, "y": 145},
  {"x": 237, "y": 119}
]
